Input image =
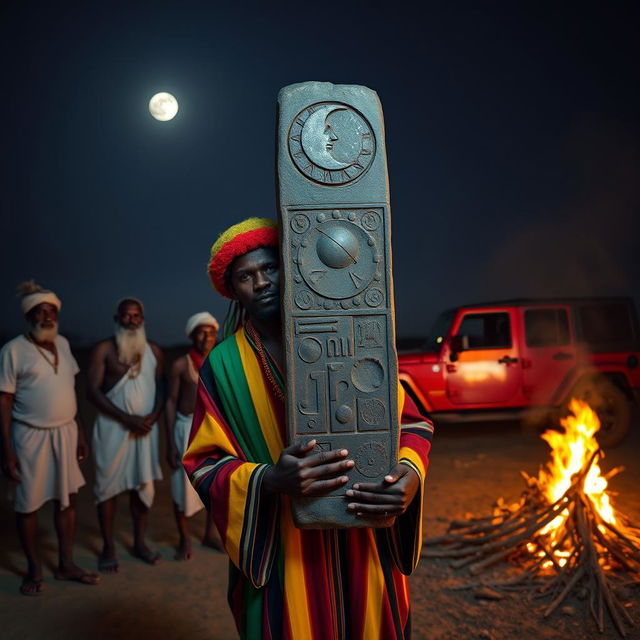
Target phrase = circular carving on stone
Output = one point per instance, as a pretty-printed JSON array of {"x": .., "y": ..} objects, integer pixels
[
  {"x": 336, "y": 214},
  {"x": 344, "y": 414},
  {"x": 321, "y": 217},
  {"x": 372, "y": 459},
  {"x": 331, "y": 143},
  {"x": 336, "y": 260},
  {"x": 370, "y": 220},
  {"x": 372, "y": 411},
  {"x": 367, "y": 374},
  {"x": 304, "y": 299},
  {"x": 300, "y": 223},
  {"x": 351, "y": 216},
  {"x": 374, "y": 297},
  {"x": 310, "y": 350},
  {"x": 337, "y": 247}
]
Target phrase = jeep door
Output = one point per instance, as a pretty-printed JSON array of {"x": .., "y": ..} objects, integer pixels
[
  {"x": 548, "y": 351},
  {"x": 485, "y": 371}
]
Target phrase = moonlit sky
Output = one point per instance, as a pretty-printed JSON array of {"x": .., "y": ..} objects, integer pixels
[{"x": 512, "y": 141}]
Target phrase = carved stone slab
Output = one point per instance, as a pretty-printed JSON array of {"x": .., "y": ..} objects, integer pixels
[{"x": 338, "y": 318}]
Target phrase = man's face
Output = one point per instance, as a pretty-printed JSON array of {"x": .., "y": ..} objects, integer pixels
[
  {"x": 129, "y": 316},
  {"x": 43, "y": 315},
  {"x": 255, "y": 281},
  {"x": 203, "y": 338}
]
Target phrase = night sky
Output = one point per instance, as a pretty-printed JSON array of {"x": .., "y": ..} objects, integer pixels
[{"x": 512, "y": 141}]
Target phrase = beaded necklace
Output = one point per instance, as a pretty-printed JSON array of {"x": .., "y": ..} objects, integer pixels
[
  {"x": 255, "y": 337},
  {"x": 56, "y": 360}
]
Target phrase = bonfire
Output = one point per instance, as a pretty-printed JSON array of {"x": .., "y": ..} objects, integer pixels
[{"x": 563, "y": 535}]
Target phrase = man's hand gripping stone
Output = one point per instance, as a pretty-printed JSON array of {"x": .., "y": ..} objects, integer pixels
[{"x": 298, "y": 472}]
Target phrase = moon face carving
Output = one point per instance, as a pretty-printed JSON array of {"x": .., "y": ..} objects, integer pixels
[
  {"x": 331, "y": 143},
  {"x": 318, "y": 138},
  {"x": 163, "y": 106}
]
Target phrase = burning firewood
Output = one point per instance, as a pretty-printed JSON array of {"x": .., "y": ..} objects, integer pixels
[{"x": 563, "y": 533}]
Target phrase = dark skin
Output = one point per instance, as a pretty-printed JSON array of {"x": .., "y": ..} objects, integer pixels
[
  {"x": 104, "y": 372},
  {"x": 254, "y": 279},
  {"x": 182, "y": 398},
  {"x": 46, "y": 316}
]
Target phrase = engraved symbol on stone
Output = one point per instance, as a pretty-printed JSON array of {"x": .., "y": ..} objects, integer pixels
[
  {"x": 316, "y": 325},
  {"x": 344, "y": 414},
  {"x": 304, "y": 299},
  {"x": 369, "y": 334},
  {"x": 337, "y": 247},
  {"x": 372, "y": 459},
  {"x": 336, "y": 260},
  {"x": 322, "y": 446},
  {"x": 315, "y": 402},
  {"x": 331, "y": 143},
  {"x": 300, "y": 223},
  {"x": 370, "y": 220},
  {"x": 339, "y": 347},
  {"x": 373, "y": 297},
  {"x": 372, "y": 411},
  {"x": 310, "y": 350},
  {"x": 367, "y": 374}
]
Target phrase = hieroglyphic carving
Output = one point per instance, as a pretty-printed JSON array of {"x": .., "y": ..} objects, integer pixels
[{"x": 337, "y": 288}]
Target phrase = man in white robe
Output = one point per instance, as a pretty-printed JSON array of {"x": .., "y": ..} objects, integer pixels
[
  {"x": 201, "y": 329},
  {"x": 125, "y": 385},
  {"x": 41, "y": 442}
]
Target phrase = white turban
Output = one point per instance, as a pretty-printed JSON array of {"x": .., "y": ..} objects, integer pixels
[
  {"x": 204, "y": 318},
  {"x": 34, "y": 299}
]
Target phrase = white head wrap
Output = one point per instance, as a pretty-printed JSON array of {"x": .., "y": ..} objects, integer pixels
[
  {"x": 34, "y": 299},
  {"x": 204, "y": 318}
]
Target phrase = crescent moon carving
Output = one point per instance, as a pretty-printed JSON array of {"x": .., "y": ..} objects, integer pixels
[{"x": 317, "y": 141}]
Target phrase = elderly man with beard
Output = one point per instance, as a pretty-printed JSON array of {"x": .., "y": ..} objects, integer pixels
[
  {"x": 125, "y": 384},
  {"x": 202, "y": 330},
  {"x": 41, "y": 443}
]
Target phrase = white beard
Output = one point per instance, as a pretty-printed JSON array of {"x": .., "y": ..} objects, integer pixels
[
  {"x": 44, "y": 334},
  {"x": 131, "y": 344}
]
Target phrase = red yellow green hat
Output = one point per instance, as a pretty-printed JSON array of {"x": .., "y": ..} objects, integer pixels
[{"x": 237, "y": 240}]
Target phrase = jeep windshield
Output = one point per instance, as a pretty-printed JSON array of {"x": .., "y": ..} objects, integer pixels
[{"x": 439, "y": 330}]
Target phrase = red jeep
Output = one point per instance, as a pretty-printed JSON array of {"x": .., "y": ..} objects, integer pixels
[{"x": 504, "y": 359}]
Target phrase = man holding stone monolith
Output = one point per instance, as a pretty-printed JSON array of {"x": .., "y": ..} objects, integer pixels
[{"x": 286, "y": 582}]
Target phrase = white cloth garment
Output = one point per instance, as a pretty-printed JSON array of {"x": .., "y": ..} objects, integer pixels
[
  {"x": 48, "y": 465},
  {"x": 42, "y": 397},
  {"x": 182, "y": 491},
  {"x": 125, "y": 461},
  {"x": 43, "y": 430}
]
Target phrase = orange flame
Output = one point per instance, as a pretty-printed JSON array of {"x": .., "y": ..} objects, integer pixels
[{"x": 570, "y": 453}]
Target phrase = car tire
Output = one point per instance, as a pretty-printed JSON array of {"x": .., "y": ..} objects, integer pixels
[{"x": 610, "y": 403}]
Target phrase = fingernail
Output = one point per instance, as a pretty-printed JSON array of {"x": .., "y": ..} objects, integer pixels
[
  {"x": 344, "y": 452},
  {"x": 350, "y": 492},
  {"x": 343, "y": 479},
  {"x": 356, "y": 486},
  {"x": 351, "y": 506},
  {"x": 350, "y": 463}
]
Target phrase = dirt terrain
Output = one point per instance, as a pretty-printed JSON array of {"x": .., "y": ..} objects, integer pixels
[{"x": 471, "y": 467}]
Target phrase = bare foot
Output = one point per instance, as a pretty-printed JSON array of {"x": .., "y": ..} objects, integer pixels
[
  {"x": 77, "y": 574},
  {"x": 31, "y": 586},
  {"x": 147, "y": 555},
  {"x": 108, "y": 563},
  {"x": 183, "y": 552}
]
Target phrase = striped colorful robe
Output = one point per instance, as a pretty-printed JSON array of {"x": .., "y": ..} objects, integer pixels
[{"x": 286, "y": 582}]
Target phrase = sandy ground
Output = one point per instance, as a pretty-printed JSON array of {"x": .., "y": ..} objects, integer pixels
[{"x": 471, "y": 466}]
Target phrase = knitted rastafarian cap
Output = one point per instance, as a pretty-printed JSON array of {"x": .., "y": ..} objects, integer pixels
[{"x": 236, "y": 241}]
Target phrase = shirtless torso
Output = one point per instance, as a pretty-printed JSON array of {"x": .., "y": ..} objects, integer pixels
[
  {"x": 104, "y": 372},
  {"x": 183, "y": 380}
]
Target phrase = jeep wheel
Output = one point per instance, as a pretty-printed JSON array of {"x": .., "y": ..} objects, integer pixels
[{"x": 610, "y": 403}]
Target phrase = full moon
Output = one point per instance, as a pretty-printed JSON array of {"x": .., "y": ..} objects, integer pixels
[{"x": 163, "y": 106}]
